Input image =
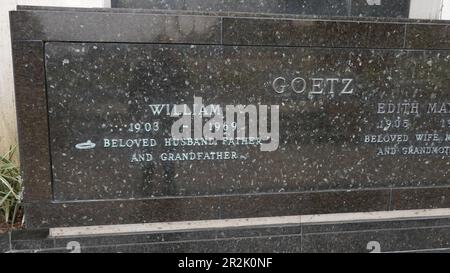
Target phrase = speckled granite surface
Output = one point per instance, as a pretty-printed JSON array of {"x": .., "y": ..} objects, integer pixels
[
  {"x": 398, "y": 8},
  {"x": 364, "y": 116},
  {"x": 415, "y": 235}
]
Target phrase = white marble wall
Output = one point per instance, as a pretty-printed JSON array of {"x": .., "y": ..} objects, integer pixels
[
  {"x": 426, "y": 9},
  {"x": 8, "y": 128},
  {"x": 446, "y": 10}
]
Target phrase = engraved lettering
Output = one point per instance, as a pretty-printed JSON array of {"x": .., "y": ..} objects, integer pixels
[
  {"x": 295, "y": 85},
  {"x": 279, "y": 85},
  {"x": 347, "y": 89}
]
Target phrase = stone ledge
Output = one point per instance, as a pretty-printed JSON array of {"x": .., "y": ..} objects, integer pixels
[
  {"x": 418, "y": 234},
  {"x": 248, "y": 222}
]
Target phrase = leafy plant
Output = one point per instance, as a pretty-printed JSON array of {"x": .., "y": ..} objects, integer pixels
[{"x": 11, "y": 188}]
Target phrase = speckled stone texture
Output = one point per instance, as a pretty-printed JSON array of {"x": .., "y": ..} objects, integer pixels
[
  {"x": 374, "y": 137},
  {"x": 322, "y": 139},
  {"x": 5, "y": 245},
  {"x": 397, "y": 8},
  {"x": 386, "y": 8},
  {"x": 413, "y": 235}
]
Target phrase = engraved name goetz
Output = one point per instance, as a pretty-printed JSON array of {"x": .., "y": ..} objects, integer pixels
[{"x": 315, "y": 86}]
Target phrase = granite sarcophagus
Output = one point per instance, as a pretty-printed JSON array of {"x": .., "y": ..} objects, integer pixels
[{"x": 357, "y": 112}]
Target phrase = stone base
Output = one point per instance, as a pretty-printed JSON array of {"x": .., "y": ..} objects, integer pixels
[
  {"x": 4, "y": 243},
  {"x": 411, "y": 235}
]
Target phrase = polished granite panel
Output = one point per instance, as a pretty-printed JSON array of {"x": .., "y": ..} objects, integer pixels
[
  {"x": 394, "y": 224},
  {"x": 304, "y": 204},
  {"x": 276, "y": 244},
  {"x": 90, "y": 213},
  {"x": 149, "y": 4},
  {"x": 316, "y": 7},
  {"x": 109, "y": 27},
  {"x": 343, "y": 141},
  {"x": 357, "y": 8},
  {"x": 428, "y": 198},
  {"x": 44, "y": 215},
  {"x": 257, "y": 6},
  {"x": 147, "y": 26},
  {"x": 385, "y": 8},
  {"x": 31, "y": 101},
  {"x": 408, "y": 235},
  {"x": 178, "y": 236},
  {"x": 246, "y": 31},
  {"x": 377, "y": 241},
  {"x": 436, "y": 36},
  {"x": 228, "y": 14}
]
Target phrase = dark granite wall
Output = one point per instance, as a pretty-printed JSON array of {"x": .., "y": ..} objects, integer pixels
[
  {"x": 79, "y": 73},
  {"x": 385, "y": 8},
  {"x": 317, "y": 151}
]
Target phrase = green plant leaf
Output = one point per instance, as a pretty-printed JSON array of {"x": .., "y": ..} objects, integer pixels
[
  {"x": 5, "y": 182},
  {"x": 11, "y": 187},
  {"x": 4, "y": 198}
]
